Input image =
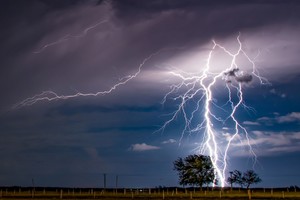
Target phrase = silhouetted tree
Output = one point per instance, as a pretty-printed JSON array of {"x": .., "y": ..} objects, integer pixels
[
  {"x": 250, "y": 177},
  {"x": 235, "y": 177},
  {"x": 230, "y": 180},
  {"x": 195, "y": 170}
]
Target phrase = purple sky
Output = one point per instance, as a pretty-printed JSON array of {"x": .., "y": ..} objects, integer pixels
[{"x": 88, "y": 46}]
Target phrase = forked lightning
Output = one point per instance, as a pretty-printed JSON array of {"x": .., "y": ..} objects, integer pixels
[{"x": 196, "y": 90}]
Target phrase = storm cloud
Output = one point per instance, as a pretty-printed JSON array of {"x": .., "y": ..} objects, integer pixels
[
  {"x": 78, "y": 46},
  {"x": 114, "y": 49}
]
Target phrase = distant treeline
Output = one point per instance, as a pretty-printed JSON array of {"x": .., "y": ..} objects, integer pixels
[{"x": 158, "y": 188}]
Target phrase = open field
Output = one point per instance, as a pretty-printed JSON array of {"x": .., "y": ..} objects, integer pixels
[{"x": 151, "y": 194}]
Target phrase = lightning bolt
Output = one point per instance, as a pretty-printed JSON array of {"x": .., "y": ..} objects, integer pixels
[
  {"x": 70, "y": 36},
  {"x": 198, "y": 89},
  {"x": 52, "y": 96}
]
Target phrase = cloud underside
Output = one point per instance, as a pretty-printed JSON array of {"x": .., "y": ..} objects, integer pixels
[
  {"x": 293, "y": 117},
  {"x": 265, "y": 143},
  {"x": 99, "y": 35},
  {"x": 268, "y": 143}
]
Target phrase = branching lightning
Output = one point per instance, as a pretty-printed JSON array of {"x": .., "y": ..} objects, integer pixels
[
  {"x": 196, "y": 89},
  {"x": 70, "y": 36},
  {"x": 51, "y": 96}
]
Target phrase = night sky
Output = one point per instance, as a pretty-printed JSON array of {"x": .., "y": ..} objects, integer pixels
[{"x": 71, "y": 46}]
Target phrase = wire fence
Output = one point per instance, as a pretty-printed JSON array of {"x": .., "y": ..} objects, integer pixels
[{"x": 147, "y": 193}]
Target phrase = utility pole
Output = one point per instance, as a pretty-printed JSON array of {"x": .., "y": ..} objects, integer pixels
[
  {"x": 117, "y": 178},
  {"x": 33, "y": 184},
  {"x": 104, "y": 181},
  {"x": 33, "y": 189}
]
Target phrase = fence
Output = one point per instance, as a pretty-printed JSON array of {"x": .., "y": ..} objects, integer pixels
[{"x": 148, "y": 193}]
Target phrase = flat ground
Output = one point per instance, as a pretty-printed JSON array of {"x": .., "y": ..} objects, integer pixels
[{"x": 151, "y": 194}]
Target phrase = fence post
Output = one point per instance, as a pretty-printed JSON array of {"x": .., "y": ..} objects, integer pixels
[
  {"x": 32, "y": 193},
  {"x": 220, "y": 194},
  {"x": 283, "y": 194},
  {"x": 272, "y": 192},
  {"x": 163, "y": 194},
  {"x": 249, "y": 194},
  {"x": 191, "y": 195},
  {"x": 61, "y": 193}
]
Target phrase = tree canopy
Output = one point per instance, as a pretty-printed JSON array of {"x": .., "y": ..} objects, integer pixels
[
  {"x": 243, "y": 179},
  {"x": 235, "y": 177},
  {"x": 250, "y": 177},
  {"x": 195, "y": 170}
]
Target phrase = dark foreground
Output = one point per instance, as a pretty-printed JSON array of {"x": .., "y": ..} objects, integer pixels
[{"x": 145, "y": 194}]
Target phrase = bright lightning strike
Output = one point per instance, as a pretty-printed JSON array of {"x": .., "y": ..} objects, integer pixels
[{"x": 198, "y": 90}]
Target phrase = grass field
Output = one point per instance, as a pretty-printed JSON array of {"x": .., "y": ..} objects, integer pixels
[{"x": 153, "y": 194}]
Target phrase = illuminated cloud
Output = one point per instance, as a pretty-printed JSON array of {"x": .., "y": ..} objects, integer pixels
[
  {"x": 288, "y": 118},
  {"x": 251, "y": 123},
  {"x": 271, "y": 143},
  {"x": 291, "y": 117},
  {"x": 143, "y": 147},
  {"x": 275, "y": 92},
  {"x": 169, "y": 141}
]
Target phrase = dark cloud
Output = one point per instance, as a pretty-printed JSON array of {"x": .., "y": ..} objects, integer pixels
[
  {"x": 231, "y": 72},
  {"x": 135, "y": 30},
  {"x": 244, "y": 78},
  {"x": 67, "y": 109},
  {"x": 238, "y": 75}
]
